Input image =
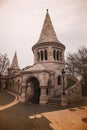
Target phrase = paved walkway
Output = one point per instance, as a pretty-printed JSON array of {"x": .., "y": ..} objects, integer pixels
[
  {"x": 69, "y": 119},
  {"x": 5, "y": 98},
  {"x": 74, "y": 118},
  {"x": 36, "y": 117},
  {"x": 14, "y": 102}
]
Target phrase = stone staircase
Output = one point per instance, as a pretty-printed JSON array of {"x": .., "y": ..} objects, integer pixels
[
  {"x": 56, "y": 101},
  {"x": 73, "y": 92}
]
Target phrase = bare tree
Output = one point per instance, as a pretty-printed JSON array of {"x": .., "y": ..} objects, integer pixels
[
  {"x": 4, "y": 64},
  {"x": 77, "y": 64}
]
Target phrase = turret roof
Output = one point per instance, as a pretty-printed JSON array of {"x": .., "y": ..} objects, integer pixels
[
  {"x": 48, "y": 33},
  {"x": 14, "y": 64}
]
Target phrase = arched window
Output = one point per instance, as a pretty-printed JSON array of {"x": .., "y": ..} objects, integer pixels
[
  {"x": 41, "y": 55},
  {"x": 45, "y": 52},
  {"x": 57, "y": 55},
  {"x": 54, "y": 54},
  {"x": 59, "y": 82},
  {"x": 38, "y": 55}
]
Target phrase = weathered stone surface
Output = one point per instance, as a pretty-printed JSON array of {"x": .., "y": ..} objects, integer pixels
[{"x": 48, "y": 63}]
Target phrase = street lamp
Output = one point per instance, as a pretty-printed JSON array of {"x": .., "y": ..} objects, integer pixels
[
  {"x": 64, "y": 100},
  {"x": 63, "y": 75}
]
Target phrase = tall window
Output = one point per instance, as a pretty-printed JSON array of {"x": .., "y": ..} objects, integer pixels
[
  {"x": 59, "y": 81},
  {"x": 57, "y": 55},
  {"x": 45, "y": 52},
  {"x": 54, "y": 54},
  {"x": 38, "y": 55},
  {"x": 41, "y": 55}
]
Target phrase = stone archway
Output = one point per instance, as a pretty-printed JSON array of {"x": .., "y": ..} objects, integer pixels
[{"x": 33, "y": 90}]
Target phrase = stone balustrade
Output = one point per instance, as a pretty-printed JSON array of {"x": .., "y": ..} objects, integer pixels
[{"x": 74, "y": 93}]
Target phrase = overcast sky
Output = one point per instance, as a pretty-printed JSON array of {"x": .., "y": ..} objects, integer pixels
[{"x": 21, "y": 23}]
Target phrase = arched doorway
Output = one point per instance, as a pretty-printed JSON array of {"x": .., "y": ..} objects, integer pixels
[{"x": 33, "y": 90}]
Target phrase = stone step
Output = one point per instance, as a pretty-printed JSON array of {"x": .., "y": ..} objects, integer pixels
[{"x": 54, "y": 101}]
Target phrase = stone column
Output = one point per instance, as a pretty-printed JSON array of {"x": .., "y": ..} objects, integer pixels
[
  {"x": 51, "y": 92},
  {"x": 23, "y": 93},
  {"x": 63, "y": 56},
  {"x": 14, "y": 88},
  {"x": 43, "y": 96},
  {"x": 64, "y": 100}
]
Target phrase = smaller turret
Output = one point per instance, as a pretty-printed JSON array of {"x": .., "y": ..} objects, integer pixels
[{"x": 14, "y": 66}]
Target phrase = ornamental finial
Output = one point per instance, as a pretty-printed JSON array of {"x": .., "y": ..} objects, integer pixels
[{"x": 47, "y": 10}]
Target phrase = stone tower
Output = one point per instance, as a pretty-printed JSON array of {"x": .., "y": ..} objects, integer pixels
[
  {"x": 48, "y": 49},
  {"x": 14, "y": 66},
  {"x": 49, "y": 52}
]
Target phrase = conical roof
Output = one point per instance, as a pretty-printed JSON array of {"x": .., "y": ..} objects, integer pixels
[
  {"x": 48, "y": 33},
  {"x": 14, "y": 64}
]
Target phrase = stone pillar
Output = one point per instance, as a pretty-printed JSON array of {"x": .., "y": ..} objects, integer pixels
[
  {"x": 50, "y": 54},
  {"x": 23, "y": 94},
  {"x": 51, "y": 92},
  {"x": 43, "y": 96},
  {"x": 63, "y": 56},
  {"x": 64, "y": 100},
  {"x": 20, "y": 89}
]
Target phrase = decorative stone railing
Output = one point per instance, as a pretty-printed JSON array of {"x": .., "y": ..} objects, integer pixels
[
  {"x": 70, "y": 80},
  {"x": 74, "y": 93}
]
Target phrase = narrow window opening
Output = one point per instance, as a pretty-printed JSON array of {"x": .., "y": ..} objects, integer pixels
[
  {"x": 54, "y": 54},
  {"x": 41, "y": 55},
  {"x": 57, "y": 55},
  {"x": 38, "y": 56},
  {"x": 45, "y": 54},
  {"x": 59, "y": 80}
]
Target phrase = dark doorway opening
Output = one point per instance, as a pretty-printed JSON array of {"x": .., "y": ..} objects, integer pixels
[{"x": 33, "y": 90}]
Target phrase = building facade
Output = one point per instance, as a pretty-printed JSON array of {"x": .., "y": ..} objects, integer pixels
[{"x": 42, "y": 80}]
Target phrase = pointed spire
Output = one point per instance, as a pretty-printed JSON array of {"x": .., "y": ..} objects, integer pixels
[
  {"x": 14, "y": 64},
  {"x": 48, "y": 33}
]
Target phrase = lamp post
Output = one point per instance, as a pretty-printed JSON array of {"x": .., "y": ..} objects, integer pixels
[
  {"x": 63, "y": 75},
  {"x": 64, "y": 100}
]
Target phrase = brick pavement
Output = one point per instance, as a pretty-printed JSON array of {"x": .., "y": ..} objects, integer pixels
[
  {"x": 36, "y": 117},
  {"x": 69, "y": 119}
]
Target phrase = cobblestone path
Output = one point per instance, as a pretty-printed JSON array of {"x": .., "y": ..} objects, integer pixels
[{"x": 37, "y": 117}]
